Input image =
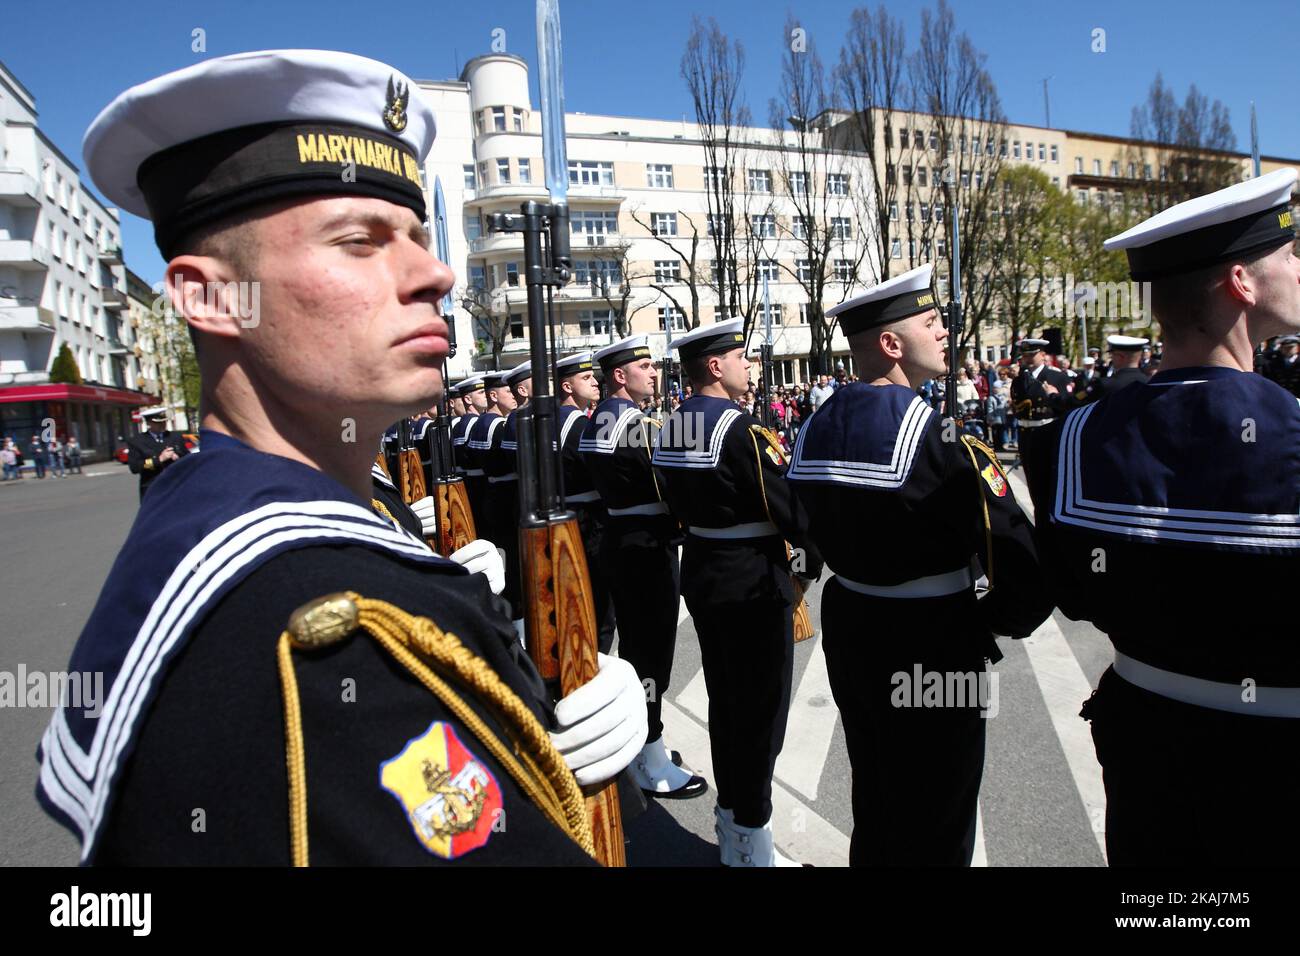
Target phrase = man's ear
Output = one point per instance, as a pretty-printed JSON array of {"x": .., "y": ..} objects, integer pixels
[
  {"x": 204, "y": 291},
  {"x": 1241, "y": 285},
  {"x": 891, "y": 346}
]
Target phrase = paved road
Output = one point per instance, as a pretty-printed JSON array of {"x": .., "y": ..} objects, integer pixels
[{"x": 1041, "y": 803}]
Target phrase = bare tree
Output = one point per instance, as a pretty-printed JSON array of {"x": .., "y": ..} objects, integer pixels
[
  {"x": 816, "y": 181},
  {"x": 491, "y": 326},
  {"x": 952, "y": 85},
  {"x": 686, "y": 251},
  {"x": 1182, "y": 150},
  {"x": 875, "y": 87}
]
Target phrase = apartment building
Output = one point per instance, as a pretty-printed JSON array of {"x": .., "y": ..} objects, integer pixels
[{"x": 62, "y": 282}]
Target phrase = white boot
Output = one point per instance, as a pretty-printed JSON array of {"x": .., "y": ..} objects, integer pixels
[
  {"x": 656, "y": 774},
  {"x": 753, "y": 846},
  {"x": 723, "y": 822}
]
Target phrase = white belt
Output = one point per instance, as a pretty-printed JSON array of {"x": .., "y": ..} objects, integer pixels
[
  {"x": 473, "y": 472},
  {"x": 654, "y": 508},
  {"x": 583, "y": 497},
  {"x": 1034, "y": 422},
  {"x": 935, "y": 585},
  {"x": 754, "y": 529},
  {"x": 497, "y": 479},
  {"x": 1268, "y": 701}
]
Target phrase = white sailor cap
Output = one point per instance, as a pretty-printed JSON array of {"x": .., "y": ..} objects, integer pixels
[
  {"x": 1126, "y": 343},
  {"x": 711, "y": 339},
  {"x": 1228, "y": 224},
  {"x": 1033, "y": 345},
  {"x": 888, "y": 302},
  {"x": 193, "y": 146},
  {"x": 494, "y": 379},
  {"x": 1289, "y": 340},
  {"x": 1089, "y": 361},
  {"x": 518, "y": 374},
  {"x": 574, "y": 364},
  {"x": 471, "y": 383},
  {"x": 631, "y": 349}
]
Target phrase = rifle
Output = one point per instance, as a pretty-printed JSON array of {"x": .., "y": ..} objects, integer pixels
[
  {"x": 956, "y": 324},
  {"x": 410, "y": 468},
  {"x": 559, "y": 615},
  {"x": 451, "y": 498}
]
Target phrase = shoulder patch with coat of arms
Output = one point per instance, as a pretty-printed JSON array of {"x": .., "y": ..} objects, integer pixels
[
  {"x": 773, "y": 449},
  {"x": 449, "y": 796},
  {"x": 992, "y": 472}
]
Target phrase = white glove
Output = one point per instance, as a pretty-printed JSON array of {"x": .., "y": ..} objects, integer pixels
[
  {"x": 426, "y": 509},
  {"x": 480, "y": 556},
  {"x": 603, "y": 723}
]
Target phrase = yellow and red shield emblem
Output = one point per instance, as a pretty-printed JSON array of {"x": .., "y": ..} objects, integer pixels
[
  {"x": 449, "y": 796},
  {"x": 994, "y": 478}
]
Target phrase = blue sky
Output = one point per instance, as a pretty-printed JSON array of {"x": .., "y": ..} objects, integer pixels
[{"x": 623, "y": 58}]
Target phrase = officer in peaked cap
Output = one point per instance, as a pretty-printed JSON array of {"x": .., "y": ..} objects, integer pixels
[
  {"x": 1039, "y": 393},
  {"x": 723, "y": 476},
  {"x": 1125, "y": 358},
  {"x": 1192, "y": 477},
  {"x": 153, "y": 450},
  {"x": 903, "y": 511},
  {"x": 579, "y": 392},
  {"x": 261, "y": 577},
  {"x": 639, "y": 547}
]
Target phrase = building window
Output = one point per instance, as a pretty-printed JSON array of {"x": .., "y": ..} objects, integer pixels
[
  {"x": 1132, "y": 171},
  {"x": 907, "y": 175},
  {"x": 763, "y": 226},
  {"x": 841, "y": 228},
  {"x": 803, "y": 313},
  {"x": 483, "y": 173},
  {"x": 889, "y": 174},
  {"x": 592, "y": 228},
  {"x": 772, "y": 311},
  {"x": 760, "y": 181},
  {"x": 715, "y": 177},
  {"x": 1056, "y": 155},
  {"x": 767, "y": 269},
  {"x": 659, "y": 176},
  {"x": 965, "y": 180},
  {"x": 469, "y": 176},
  {"x": 920, "y": 176},
  {"x": 1042, "y": 147},
  {"x": 938, "y": 212},
  {"x": 941, "y": 249},
  {"x": 1096, "y": 167},
  {"x": 499, "y": 119},
  {"x": 799, "y": 227},
  {"x": 600, "y": 274},
  {"x": 671, "y": 317},
  {"x": 803, "y": 268},
  {"x": 718, "y": 226},
  {"x": 837, "y": 184},
  {"x": 595, "y": 321},
  {"x": 844, "y": 270},
  {"x": 918, "y": 139},
  {"x": 1002, "y": 150},
  {"x": 668, "y": 270},
  {"x": 1146, "y": 171},
  {"x": 512, "y": 273},
  {"x": 911, "y": 212},
  {"x": 934, "y": 141},
  {"x": 1029, "y": 152},
  {"x": 473, "y": 227},
  {"x": 1015, "y": 149},
  {"x": 893, "y": 212},
  {"x": 517, "y": 325},
  {"x": 798, "y": 184},
  {"x": 664, "y": 223},
  {"x": 518, "y": 120},
  {"x": 525, "y": 172},
  {"x": 1078, "y": 164},
  {"x": 503, "y": 171},
  {"x": 477, "y": 277},
  {"x": 902, "y": 138},
  {"x": 583, "y": 173},
  {"x": 1114, "y": 167},
  {"x": 1056, "y": 180}
]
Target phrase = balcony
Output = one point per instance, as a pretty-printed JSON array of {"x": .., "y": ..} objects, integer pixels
[
  {"x": 112, "y": 256},
  {"x": 24, "y": 255},
  {"x": 112, "y": 299},
  {"x": 26, "y": 318},
  {"x": 594, "y": 193},
  {"x": 507, "y": 191},
  {"x": 19, "y": 189},
  {"x": 497, "y": 242}
]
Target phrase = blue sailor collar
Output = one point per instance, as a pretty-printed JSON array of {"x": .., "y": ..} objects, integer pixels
[
  {"x": 484, "y": 427},
  {"x": 608, "y": 423},
  {"x": 1194, "y": 374},
  {"x": 570, "y": 417},
  {"x": 865, "y": 436},
  {"x": 208, "y": 522},
  {"x": 694, "y": 435}
]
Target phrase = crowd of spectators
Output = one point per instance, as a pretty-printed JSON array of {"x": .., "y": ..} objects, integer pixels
[{"x": 55, "y": 457}]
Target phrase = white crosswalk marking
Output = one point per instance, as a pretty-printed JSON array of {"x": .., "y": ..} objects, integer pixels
[
  {"x": 1064, "y": 687},
  {"x": 810, "y": 729},
  {"x": 799, "y": 831}
]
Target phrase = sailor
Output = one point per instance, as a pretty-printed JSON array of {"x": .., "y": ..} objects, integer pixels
[
  {"x": 722, "y": 474},
  {"x": 1125, "y": 357},
  {"x": 291, "y": 677},
  {"x": 579, "y": 391},
  {"x": 639, "y": 549},
  {"x": 907, "y": 513},
  {"x": 482, "y": 438},
  {"x": 501, "y": 463},
  {"x": 151, "y": 451},
  {"x": 473, "y": 396},
  {"x": 1039, "y": 393},
  {"x": 1190, "y": 485}
]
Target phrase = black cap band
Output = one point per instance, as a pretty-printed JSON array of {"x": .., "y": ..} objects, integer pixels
[
  {"x": 212, "y": 177},
  {"x": 871, "y": 315},
  {"x": 1207, "y": 246},
  {"x": 711, "y": 345},
  {"x": 614, "y": 359}
]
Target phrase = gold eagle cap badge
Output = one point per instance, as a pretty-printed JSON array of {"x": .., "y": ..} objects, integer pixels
[{"x": 395, "y": 105}]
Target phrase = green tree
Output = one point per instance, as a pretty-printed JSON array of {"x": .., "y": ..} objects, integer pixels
[{"x": 64, "y": 370}]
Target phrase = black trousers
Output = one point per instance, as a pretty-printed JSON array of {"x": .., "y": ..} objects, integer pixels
[
  {"x": 1190, "y": 786},
  {"x": 916, "y": 768},
  {"x": 591, "y": 523},
  {"x": 748, "y": 655},
  {"x": 476, "y": 489},
  {"x": 643, "y": 575}
]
